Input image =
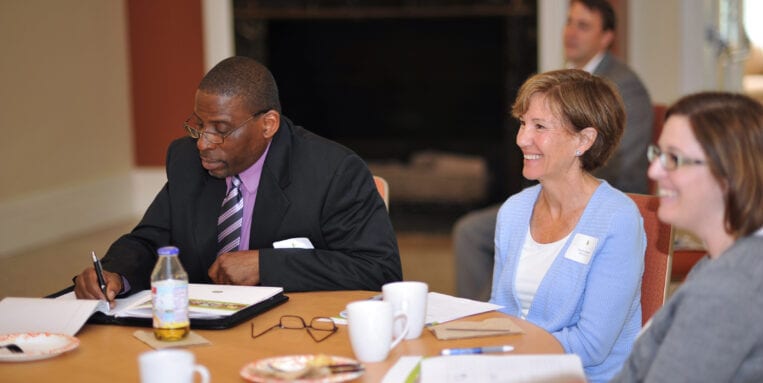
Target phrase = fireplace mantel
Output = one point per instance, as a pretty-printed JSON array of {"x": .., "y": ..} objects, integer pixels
[
  {"x": 259, "y": 10},
  {"x": 392, "y": 79}
]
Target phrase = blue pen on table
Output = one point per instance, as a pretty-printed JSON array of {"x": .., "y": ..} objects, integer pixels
[
  {"x": 99, "y": 273},
  {"x": 476, "y": 350}
]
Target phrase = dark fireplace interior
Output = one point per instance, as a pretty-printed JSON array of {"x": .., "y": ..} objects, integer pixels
[{"x": 389, "y": 79}]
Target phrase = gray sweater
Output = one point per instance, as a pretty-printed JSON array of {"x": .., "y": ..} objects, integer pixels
[{"x": 711, "y": 330}]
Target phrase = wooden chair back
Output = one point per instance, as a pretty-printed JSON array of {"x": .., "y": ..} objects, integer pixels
[
  {"x": 383, "y": 187},
  {"x": 658, "y": 258}
]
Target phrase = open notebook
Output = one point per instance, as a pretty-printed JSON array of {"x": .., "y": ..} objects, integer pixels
[
  {"x": 205, "y": 301},
  {"x": 211, "y": 307}
]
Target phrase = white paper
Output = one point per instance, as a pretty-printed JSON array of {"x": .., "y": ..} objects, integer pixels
[
  {"x": 293, "y": 243},
  {"x": 223, "y": 300},
  {"x": 402, "y": 369},
  {"x": 20, "y": 315},
  {"x": 122, "y": 305},
  {"x": 441, "y": 308},
  {"x": 444, "y": 308},
  {"x": 502, "y": 368}
]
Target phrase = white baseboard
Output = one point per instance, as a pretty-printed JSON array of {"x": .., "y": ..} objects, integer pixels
[{"x": 65, "y": 212}]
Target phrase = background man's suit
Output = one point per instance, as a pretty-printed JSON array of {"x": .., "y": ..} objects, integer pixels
[
  {"x": 626, "y": 170},
  {"x": 310, "y": 187}
]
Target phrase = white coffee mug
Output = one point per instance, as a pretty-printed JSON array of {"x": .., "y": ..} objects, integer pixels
[
  {"x": 410, "y": 298},
  {"x": 170, "y": 366},
  {"x": 370, "y": 324}
]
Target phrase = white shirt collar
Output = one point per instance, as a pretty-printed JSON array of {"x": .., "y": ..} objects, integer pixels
[{"x": 592, "y": 63}]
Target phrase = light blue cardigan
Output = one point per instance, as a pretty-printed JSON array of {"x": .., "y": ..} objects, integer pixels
[{"x": 593, "y": 309}]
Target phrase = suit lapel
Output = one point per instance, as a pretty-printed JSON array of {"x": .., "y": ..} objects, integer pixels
[
  {"x": 605, "y": 66},
  {"x": 272, "y": 202}
]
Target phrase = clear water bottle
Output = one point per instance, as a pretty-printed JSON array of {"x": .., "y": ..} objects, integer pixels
[{"x": 169, "y": 296}]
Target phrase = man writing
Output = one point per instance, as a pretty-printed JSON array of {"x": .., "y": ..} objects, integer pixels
[
  {"x": 588, "y": 34},
  {"x": 246, "y": 180}
]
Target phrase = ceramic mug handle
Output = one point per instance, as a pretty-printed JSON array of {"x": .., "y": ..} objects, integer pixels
[
  {"x": 400, "y": 315},
  {"x": 203, "y": 373}
]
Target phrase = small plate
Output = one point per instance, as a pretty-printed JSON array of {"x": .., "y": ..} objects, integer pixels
[
  {"x": 36, "y": 346},
  {"x": 264, "y": 370}
]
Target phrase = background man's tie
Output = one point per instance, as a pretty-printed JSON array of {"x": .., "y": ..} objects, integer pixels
[{"x": 229, "y": 222}]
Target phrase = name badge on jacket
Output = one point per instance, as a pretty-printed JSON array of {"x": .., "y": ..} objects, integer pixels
[{"x": 581, "y": 249}]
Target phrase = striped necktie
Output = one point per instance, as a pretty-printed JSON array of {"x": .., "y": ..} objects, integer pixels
[{"x": 231, "y": 216}]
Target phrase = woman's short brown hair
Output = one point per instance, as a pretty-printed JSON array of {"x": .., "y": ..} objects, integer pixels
[
  {"x": 580, "y": 100},
  {"x": 729, "y": 127}
]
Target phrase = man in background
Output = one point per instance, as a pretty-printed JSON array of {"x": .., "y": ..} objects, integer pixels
[{"x": 588, "y": 35}]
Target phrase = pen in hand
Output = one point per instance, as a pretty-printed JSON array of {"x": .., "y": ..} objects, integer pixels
[
  {"x": 99, "y": 274},
  {"x": 476, "y": 350}
]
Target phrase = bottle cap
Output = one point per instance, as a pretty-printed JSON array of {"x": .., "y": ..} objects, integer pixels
[{"x": 168, "y": 250}]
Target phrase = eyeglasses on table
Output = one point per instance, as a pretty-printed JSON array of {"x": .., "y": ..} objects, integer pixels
[{"x": 319, "y": 328}]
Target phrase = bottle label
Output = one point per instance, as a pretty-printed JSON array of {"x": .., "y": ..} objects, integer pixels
[{"x": 170, "y": 303}]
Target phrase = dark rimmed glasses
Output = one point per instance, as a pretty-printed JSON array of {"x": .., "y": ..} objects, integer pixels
[
  {"x": 195, "y": 129},
  {"x": 319, "y": 328},
  {"x": 669, "y": 161}
]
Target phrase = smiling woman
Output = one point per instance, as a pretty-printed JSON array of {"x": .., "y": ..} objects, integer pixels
[
  {"x": 710, "y": 179},
  {"x": 569, "y": 251}
]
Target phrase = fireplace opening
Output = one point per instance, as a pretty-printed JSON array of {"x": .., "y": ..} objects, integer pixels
[{"x": 402, "y": 89}]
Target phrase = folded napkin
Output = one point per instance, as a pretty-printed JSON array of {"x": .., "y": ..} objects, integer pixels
[
  {"x": 472, "y": 329},
  {"x": 193, "y": 339}
]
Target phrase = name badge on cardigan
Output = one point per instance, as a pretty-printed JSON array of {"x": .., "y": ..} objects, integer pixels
[{"x": 581, "y": 249}]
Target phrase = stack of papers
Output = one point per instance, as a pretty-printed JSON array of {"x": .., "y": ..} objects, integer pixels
[
  {"x": 443, "y": 308},
  {"x": 22, "y": 315}
]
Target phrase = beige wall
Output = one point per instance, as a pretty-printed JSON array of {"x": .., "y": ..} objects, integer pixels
[
  {"x": 65, "y": 114},
  {"x": 655, "y": 47},
  {"x": 668, "y": 48},
  {"x": 66, "y": 157}
]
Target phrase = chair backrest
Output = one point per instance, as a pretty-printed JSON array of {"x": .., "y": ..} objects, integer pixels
[
  {"x": 658, "y": 257},
  {"x": 383, "y": 187},
  {"x": 659, "y": 120}
]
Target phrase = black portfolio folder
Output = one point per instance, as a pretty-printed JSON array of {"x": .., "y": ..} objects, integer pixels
[{"x": 196, "y": 323}]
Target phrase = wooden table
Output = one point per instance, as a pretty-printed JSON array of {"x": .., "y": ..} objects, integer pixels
[{"x": 109, "y": 353}]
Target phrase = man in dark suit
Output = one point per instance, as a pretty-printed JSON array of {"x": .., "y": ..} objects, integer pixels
[
  {"x": 588, "y": 34},
  {"x": 316, "y": 197}
]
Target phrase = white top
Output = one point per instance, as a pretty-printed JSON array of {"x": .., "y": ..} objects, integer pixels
[{"x": 534, "y": 262}]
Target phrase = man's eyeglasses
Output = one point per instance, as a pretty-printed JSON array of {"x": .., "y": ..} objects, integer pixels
[
  {"x": 669, "y": 161},
  {"x": 319, "y": 328},
  {"x": 195, "y": 129}
]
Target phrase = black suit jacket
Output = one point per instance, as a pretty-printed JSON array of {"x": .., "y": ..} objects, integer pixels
[{"x": 310, "y": 187}]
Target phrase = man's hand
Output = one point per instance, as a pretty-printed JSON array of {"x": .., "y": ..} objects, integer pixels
[
  {"x": 86, "y": 285},
  {"x": 236, "y": 268}
]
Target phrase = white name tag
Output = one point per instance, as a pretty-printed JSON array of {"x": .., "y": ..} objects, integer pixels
[{"x": 581, "y": 249}]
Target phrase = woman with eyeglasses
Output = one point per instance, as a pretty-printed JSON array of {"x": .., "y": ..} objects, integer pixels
[
  {"x": 709, "y": 169},
  {"x": 570, "y": 251}
]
